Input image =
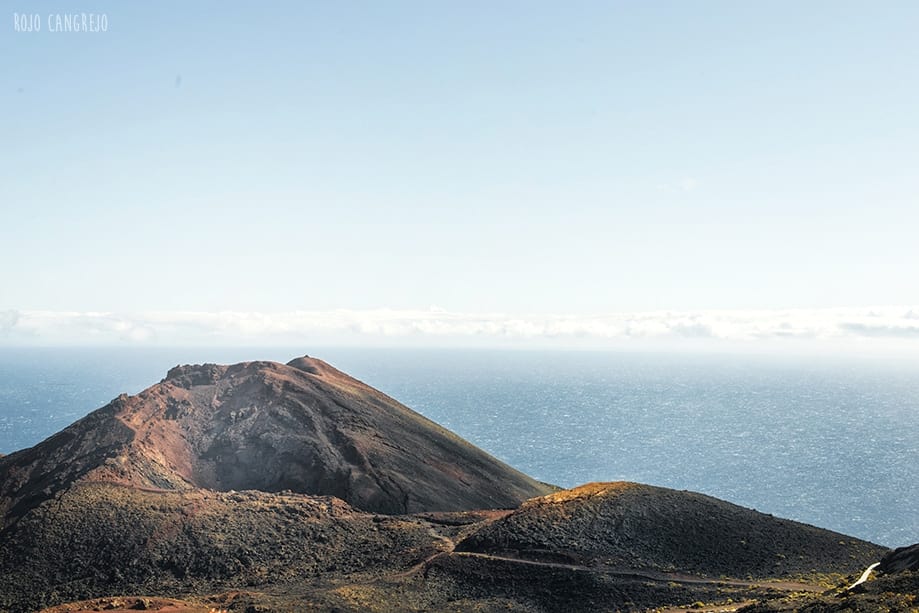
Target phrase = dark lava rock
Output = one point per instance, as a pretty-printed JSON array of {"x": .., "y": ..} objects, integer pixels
[
  {"x": 100, "y": 539},
  {"x": 900, "y": 559},
  {"x": 629, "y": 525}
]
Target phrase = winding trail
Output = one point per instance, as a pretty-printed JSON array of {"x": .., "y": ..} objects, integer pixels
[
  {"x": 449, "y": 549},
  {"x": 449, "y": 546},
  {"x": 649, "y": 575}
]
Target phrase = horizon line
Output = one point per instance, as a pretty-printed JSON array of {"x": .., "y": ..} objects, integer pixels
[{"x": 879, "y": 327}]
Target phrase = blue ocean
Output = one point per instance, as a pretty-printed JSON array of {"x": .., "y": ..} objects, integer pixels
[{"x": 833, "y": 442}]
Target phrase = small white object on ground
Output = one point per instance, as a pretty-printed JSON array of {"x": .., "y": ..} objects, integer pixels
[{"x": 864, "y": 576}]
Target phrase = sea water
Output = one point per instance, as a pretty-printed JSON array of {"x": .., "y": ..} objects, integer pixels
[{"x": 828, "y": 441}]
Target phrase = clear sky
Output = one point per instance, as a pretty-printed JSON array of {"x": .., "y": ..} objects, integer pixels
[{"x": 481, "y": 157}]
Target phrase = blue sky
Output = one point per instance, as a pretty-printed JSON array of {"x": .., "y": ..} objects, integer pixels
[{"x": 574, "y": 158}]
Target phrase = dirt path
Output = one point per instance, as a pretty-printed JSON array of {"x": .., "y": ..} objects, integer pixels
[
  {"x": 788, "y": 586},
  {"x": 446, "y": 541},
  {"x": 448, "y": 547},
  {"x": 129, "y": 604},
  {"x": 715, "y": 608}
]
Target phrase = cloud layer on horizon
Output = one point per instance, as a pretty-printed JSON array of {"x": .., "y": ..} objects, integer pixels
[{"x": 440, "y": 327}]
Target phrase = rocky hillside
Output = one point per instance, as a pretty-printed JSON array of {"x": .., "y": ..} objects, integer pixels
[
  {"x": 893, "y": 587},
  {"x": 629, "y": 525},
  {"x": 268, "y": 487},
  {"x": 900, "y": 559},
  {"x": 98, "y": 539},
  {"x": 256, "y": 552},
  {"x": 304, "y": 427}
]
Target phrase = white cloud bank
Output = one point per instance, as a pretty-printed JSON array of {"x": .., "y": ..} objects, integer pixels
[{"x": 860, "y": 327}]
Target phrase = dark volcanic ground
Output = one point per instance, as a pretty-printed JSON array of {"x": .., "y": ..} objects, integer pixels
[
  {"x": 269, "y": 487},
  {"x": 291, "y": 552}
]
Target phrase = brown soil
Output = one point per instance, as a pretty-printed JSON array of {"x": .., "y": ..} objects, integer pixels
[{"x": 131, "y": 605}]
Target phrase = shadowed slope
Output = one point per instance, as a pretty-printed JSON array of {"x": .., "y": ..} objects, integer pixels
[
  {"x": 100, "y": 539},
  {"x": 900, "y": 559},
  {"x": 304, "y": 426},
  {"x": 629, "y": 525}
]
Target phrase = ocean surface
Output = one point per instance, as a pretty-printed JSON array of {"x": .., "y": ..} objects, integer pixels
[{"x": 829, "y": 441}]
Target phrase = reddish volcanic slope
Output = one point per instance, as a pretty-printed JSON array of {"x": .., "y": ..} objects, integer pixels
[{"x": 304, "y": 426}]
